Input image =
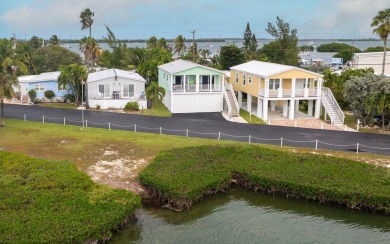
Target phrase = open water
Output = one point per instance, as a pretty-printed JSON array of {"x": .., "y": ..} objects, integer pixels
[{"x": 242, "y": 216}]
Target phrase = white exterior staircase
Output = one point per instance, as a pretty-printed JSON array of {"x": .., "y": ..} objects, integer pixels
[
  {"x": 331, "y": 106},
  {"x": 231, "y": 101}
]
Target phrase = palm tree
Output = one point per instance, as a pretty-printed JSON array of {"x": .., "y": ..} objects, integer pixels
[
  {"x": 90, "y": 48},
  {"x": 73, "y": 75},
  {"x": 54, "y": 40},
  {"x": 381, "y": 22},
  {"x": 180, "y": 46},
  {"x": 86, "y": 20},
  {"x": 8, "y": 81},
  {"x": 154, "y": 92}
]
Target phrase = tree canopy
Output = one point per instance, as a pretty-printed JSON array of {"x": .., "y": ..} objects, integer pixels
[
  {"x": 230, "y": 56},
  {"x": 381, "y": 24},
  {"x": 284, "y": 49}
]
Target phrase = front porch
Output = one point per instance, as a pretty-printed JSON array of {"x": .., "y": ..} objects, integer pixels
[{"x": 115, "y": 100}]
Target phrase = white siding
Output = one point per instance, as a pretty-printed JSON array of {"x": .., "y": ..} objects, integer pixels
[{"x": 196, "y": 103}]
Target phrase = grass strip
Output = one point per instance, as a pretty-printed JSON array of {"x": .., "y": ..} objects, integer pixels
[
  {"x": 183, "y": 176},
  {"x": 53, "y": 202},
  {"x": 252, "y": 119}
]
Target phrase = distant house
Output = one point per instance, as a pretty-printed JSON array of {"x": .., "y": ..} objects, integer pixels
[
  {"x": 23, "y": 87},
  {"x": 47, "y": 81},
  {"x": 191, "y": 87},
  {"x": 114, "y": 88},
  {"x": 371, "y": 60}
]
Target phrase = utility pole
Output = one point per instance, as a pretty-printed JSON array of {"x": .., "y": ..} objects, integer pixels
[{"x": 193, "y": 45}]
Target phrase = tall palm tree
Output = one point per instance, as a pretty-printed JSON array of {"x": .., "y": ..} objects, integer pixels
[
  {"x": 180, "y": 46},
  {"x": 8, "y": 81},
  {"x": 73, "y": 75},
  {"x": 381, "y": 22},
  {"x": 86, "y": 20},
  {"x": 90, "y": 48}
]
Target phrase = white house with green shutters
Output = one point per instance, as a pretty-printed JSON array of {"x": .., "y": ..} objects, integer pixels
[{"x": 191, "y": 87}]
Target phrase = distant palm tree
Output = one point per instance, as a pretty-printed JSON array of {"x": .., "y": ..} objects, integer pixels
[
  {"x": 86, "y": 20},
  {"x": 90, "y": 48},
  {"x": 54, "y": 40},
  {"x": 381, "y": 22},
  {"x": 180, "y": 46}
]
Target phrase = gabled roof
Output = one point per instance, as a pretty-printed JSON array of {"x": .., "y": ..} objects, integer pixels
[
  {"x": 48, "y": 76},
  {"x": 25, "y": 78},
  {"x": 265, "y": 69},
  {"x": 112, "y": 73},
  {"x": 181, "y": 65}
]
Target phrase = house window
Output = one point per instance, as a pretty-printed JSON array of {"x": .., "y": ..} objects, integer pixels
[
  {"x": 274, "y": 84},
  {"x": 62, "y": 87},
  {"x": 250, "y": 79},
  {"x": 39, "y": 87},
  {"x": 104, "y": 90},
  {"x": 237, "y": 77},
  {"x": 243, "y": 79},
  {"x": 128, "y": 90}
]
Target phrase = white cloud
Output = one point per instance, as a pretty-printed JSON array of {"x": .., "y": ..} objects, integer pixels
[{"x": 346, "y": 18}]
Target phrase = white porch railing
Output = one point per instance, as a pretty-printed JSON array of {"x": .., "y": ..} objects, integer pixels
[
  {"x": 112, "y": 96},
  {"x": 280, "y": 93},
  {"x": 202, "y": 88}
]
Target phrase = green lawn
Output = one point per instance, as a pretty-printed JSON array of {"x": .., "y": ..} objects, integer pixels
[
  {"x": 251, "y": 119},
  {"x": 158, "y": 109},
  {"x": 58, "y": 105},
  {"x": 45, "y": 201},
  {"x": 182, "y": 177}
]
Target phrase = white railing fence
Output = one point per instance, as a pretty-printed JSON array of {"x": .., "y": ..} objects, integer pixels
[{"x": 313, "y": 144}]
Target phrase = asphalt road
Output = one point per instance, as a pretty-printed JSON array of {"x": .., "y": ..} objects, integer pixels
[{"x": 209, "y": 125}]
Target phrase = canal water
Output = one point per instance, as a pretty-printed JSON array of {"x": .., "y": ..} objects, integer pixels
[{"x": 242, "y": 216}]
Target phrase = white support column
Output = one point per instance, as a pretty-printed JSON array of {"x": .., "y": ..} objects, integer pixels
[
  {"x": 266, "y": 88},
  {"x": 240, "y": 98},
  {"x": 197, "y": 83},
  {"x": 171, "y": 83},
  {"x": 305, "y": 89},
  {"x": 296, "y": 105},
  {"x": 285, "y": 108},
  {"x": 184, "y": 83},
  {"x": 259, "y": 108},
  {"x": 249, "y": 103},
  {"x": 273, "y": 106},
  {"x": 210, "y": 77},
  {"x": 293, "y": 81},
  {"x": 317, "y": 109},
  {"x": 291, "y": 112},
  {"x": 265, "y": 110},
  {"x": 310, "y": 108},
  {"x": 319, "y": 87}
]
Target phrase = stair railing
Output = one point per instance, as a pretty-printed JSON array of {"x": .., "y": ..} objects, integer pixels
[
  {"x": 229, "y": 87},
  {"x": 328, "y": 93}
]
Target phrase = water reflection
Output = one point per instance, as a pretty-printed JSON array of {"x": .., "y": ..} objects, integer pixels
[{"x": 248, "y": 217}]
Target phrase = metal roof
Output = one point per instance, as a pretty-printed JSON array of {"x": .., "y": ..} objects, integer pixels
[
  {"x": 265, "y": 69},
  {"x": 25, "y": 78},
  {"x": 375, "y": 54},
  {"x": 111, "y": 73},
  {"x": 48, "y": 76},
  {"x": 181, "y": 65}
]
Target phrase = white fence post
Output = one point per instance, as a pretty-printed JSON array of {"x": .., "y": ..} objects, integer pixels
[
  {"x": 322, "y": 125},
  {"x": 86, "y": 123},
  {"x": 43, "y": 119},
  {"x": 269, "y": 121},
  {"x": 345, "y": 127},
  {"x": 249, "y": 139},
  {"x": 219, "y": 136},
  {"x": 160, "y": 131},
  {"x": 357, "y": 148},
  {"x": 135, "y": 128},
  {"x": 357, "y": 125},
  {"x": 281, "y": 142},
  {"x": 24, "y": 117},
  {"x": 187, "y": 133},
  {"x": 295, "y": 123},
  {"x": 64, "y": 121},
  {"x": 109, "y": 126},
  {"x": 316, "y": 144}
]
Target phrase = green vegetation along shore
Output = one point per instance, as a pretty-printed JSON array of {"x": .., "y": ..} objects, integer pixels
[
  {"x": 180, "y": 177},
  {"x": 53, "y": 202}
]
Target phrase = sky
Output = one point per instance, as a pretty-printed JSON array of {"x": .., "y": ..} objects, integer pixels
[{"x": 141, "y": 19}]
